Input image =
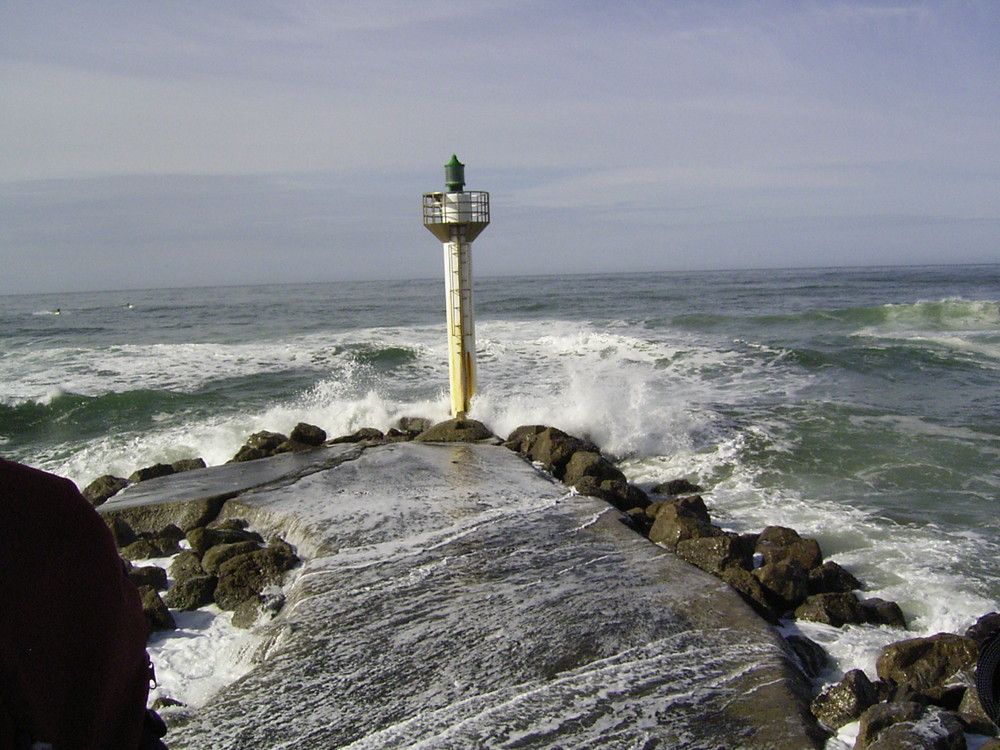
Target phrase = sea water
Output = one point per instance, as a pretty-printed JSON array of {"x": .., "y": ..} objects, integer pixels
[{"x": 859, "y": 406}]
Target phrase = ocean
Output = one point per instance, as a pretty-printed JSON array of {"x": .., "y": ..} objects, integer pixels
[{"x": 860, "y": 406}]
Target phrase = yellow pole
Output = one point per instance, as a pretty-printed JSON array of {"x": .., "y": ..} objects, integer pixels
[{"x": 461, "y": 326}]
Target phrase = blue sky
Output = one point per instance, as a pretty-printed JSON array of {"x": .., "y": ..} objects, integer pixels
[{"x": 152, "y": 144}]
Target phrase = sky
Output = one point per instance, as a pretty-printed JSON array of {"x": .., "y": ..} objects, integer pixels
[{"x": 148, "y": 144}]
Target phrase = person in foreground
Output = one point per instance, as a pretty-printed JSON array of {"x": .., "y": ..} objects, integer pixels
[{"x": 74, "y": 671}]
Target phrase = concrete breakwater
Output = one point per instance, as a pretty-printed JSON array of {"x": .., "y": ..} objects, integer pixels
[{"x": 450, "y": 595}]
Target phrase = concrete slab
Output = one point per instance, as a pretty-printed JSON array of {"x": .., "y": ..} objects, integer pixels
[{"x": 454, "y": 597}]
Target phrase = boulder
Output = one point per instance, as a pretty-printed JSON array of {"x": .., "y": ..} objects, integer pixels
[
  {"x": 831, "y": 578},
  {"x": 929, "y": 728},
  {"x": 157, "y": 615},
  {"x": 785, "y": 582},
  {"x": 751, "y": 590},
  {"x": 259, "y": 445},
  {"x": 846, "y": 701},
  {"x": 522, "y": 438},
  {"x": 151, "y": 472},
  {"x": 150, "y": 575},
  {"x": 832, "y": 609},
  {"x": 985, "y": 628},
  {"x": 677, "y": 487},
  {"x": 880, "y": 716},
  {"x": 591, "y": 464},
  {"x": 413, "y": 426},
  {"x": 934, "y": 661},
  {"x": 245, "y": 576},
  {"x": 882, "y": 612},
  {"x": 308, "y": 434},
  {"x": 677, "y": 520},
  {"x": 215, "y": 556},
  {"x": 122, "y": 533},
  {"x": 186, "y": 564},
  {"x": 715, "y": 553},
  {"x": 365, "y": 433},
  {"x": 779, "y": 542},
  {"x": 188, "y": 464},
  {"x": 249, "y": 612},
  {"x": 455, "y": 431},
  {"x": 553, "y": 449},
  {"x": 812, "y": 657},
  {"x": 191, "y": 593},
  {"x": 204, "y": 538},
  {"x": 148, "y": 547},
  {"x": 972, "y": 713},
  {"x": 102, "y": 488},
  {"x": 623, "y": 495}
]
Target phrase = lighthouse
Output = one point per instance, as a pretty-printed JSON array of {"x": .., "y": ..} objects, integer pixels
[{"x": 456, "y": 217}]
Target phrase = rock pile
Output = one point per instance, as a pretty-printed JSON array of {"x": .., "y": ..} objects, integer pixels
[{"x": 924, "y": 694}]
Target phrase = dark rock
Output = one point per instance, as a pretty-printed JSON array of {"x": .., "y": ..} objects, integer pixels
[
  {"x": 785, "y": 581},
  {"x": 455, "y": 431},
  {"x": 924, "y": 663},
  {"x": 151, "y": 472},
  {"x": 157, "y": 615},
  {"x": 932, "y": 729},
  {"x": 120, "y": 531},
  {"x": 553, "y": 448},
  {"x": 883, "y": 715},
  {"x": 162, "y": 702},
  {"x": 714, "y": 554},
  {"x": 881, "y": 612},
  {"x": 831, "y": 578},
  {"x": 215, "y": 556},
  {"x": 985, "y": 628},
  {"x": 245, "y": 576},
  {"x": 364, "y": 434},
  {"x": 141, "y": 549},
  {"x": 812, "y": 657},
  {"x": 846, "y": 701},
  {"x": 103, "y": 487},
  {"x": 523, "y": 437},
  {"x": 188, "y": 464},
  {"x": 590, "y": 464},
  {"x": 779, "y": 542},
  {"x": 308, "y": 434},
  {"x": 413, "y": 426},
  {"x": 229, "y": 523},
  {"x": 623, "y": 495},
  {"x": 202, "y": 539},
  {"x": 186, "y": 564},
  {"x": 292, "y": 446},
  {"x": 248, "y": 453},
  {"x": 974, "y": 716},
  {"x": 677, "y": 520},
  {"x": 751, "y": 590},
  {"x": 259, "y": 445},
  {"x": 191, "y": 593},
  {"x": 832, "y": 609},
  {"x": 150, "y": 575},
  {"x": 249, "y": 612},
  {"x": 677, "y": 487},
  {"x": 948, "y": 697},
  {"x": 170, "y": 531}
]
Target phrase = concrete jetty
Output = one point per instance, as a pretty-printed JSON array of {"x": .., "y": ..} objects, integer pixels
[{"x": 453, "y": 596}]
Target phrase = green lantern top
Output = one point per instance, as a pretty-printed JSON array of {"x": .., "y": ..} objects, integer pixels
[{"x": 454, "y": 175}]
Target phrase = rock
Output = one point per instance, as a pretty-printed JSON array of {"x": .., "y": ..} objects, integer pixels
[
  {"x": 923, "y": 663},
  {"x": 455, "y": 431},
  {"x": 249, "y": 612},
  {"x": 812, "y": 657},
  {"x": 751, "y": 590},
  {"x": 991, "y": 744},
  {"x": 248, "y": 453},
  {"x": 622, "y": 495},
  {"x": 157, "y": 615},
  {"x": 151, "y": 472},
  {"x": 523, "y": 438},
  {"x": 933, "y": 729},
  {"x": 188, "y": 464},
  {"x": 413, "y": 426},
  {"x": 785, "y": 581},
  {"x": 590, "y": 464},
  {"x": 553, "y": 448},
  {"x": 141, "y": 549},
  {"x": 102, "y": 488},
  {"x": 714, "y": 554},
  {"x": 122, "y": 533},
  {"x": 259, "y": 445},
  {"x": 880, "y": 612},
  {"x": 150, "y": 575},
  {"x": 677, "y": 487},
  {"x": 203, "y": 538},
  {"x": 191, "y": 593},
  {"x": 308, "y": 434},
  {"x": 186, "y": 564},
  {"x": 831, "y": 578},
  {"x": 832, "y": 609},
  {"x": 292, "y": 446},
  {"x": 846, "y": 701},
  {"x": 881, "y": 716},
  {"x": 974, "y": 716},
  {"x": 365, "y": 433},
  {"x": 215, "y": 556},
  {"x": 985, "y": 628},
  {"x": 245, "y": 576},
  {"x": 779, "y": 542},
  {"x": 677, "y": 520}
]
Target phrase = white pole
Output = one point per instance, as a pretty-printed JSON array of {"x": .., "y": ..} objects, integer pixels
[{"x": 461, "y": 326}]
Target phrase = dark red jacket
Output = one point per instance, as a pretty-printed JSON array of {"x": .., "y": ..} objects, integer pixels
[{"x": 73, "y": 665}]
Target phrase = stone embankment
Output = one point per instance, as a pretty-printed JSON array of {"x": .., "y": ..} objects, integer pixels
[{"x": 923, "y": 696}]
